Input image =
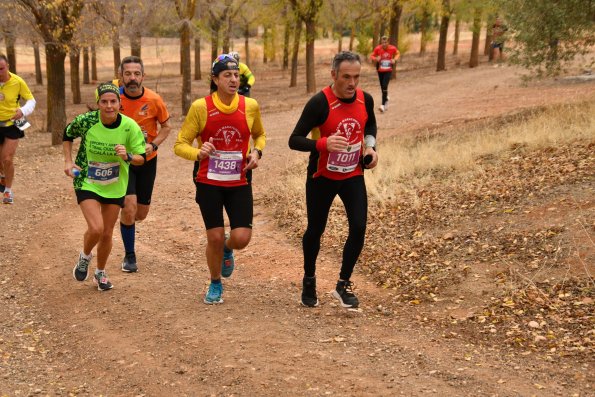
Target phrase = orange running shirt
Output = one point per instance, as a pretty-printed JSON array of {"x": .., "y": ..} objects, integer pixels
[{"x": 148, "y": 110}]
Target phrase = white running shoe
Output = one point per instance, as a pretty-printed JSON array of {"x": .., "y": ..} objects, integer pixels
[{"x": 381, "y": 108}]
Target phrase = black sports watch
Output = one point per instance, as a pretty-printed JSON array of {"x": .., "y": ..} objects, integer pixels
[
  {"x": 259, "y": 153},
  {"x": 155, "y": 147},
  {"x": 129, "y": 158}
]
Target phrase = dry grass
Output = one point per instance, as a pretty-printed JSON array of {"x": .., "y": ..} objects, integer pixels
[{"x": 409, "y": 163}]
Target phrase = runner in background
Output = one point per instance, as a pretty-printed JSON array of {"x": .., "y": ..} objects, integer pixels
[
  {"x": 12, "y": 123},
  {"x": 110, "y": 142},
  {"x": 341, "y": 121},
  {"x": 223, "y": 124},
  {"x": 148, "y": 109},
  {"x": 247, "y": 79},
  {"x": 385, "y": 57}
]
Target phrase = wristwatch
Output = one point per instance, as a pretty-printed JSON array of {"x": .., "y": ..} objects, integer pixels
[
  {"x": 259, "y": 153},
  {"x": 129, "y": 157},
  {"x": 155, "y": 147}
]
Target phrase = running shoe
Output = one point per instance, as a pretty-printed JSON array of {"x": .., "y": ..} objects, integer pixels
[
  {"x": 381, "y": 108},
  {"x": 103, "y": 283},
  {"x": 309, "y": 297},
  {"x": 214, "y": 293},
  {"x": 129, "y": 263},
  {"x": 81, "y": 269},
  {"x": 228, "y": 263},
  {"x": 344, "y": 293},
  {"x": 8, "y": 198}
]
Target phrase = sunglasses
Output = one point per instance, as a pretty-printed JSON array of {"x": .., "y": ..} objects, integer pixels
[{"x": 224, "y": 58}]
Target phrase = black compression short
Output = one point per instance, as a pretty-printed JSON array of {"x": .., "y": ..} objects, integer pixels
[
  {"x": 141, "y": 179},
  {"x": 236, "y": 200}
]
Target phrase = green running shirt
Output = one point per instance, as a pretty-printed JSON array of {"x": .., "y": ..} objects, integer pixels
[{"x": 102, "y": 171}]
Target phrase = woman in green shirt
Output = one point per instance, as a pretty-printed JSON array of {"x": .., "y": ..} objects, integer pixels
[{"x": 110, "y": 141}]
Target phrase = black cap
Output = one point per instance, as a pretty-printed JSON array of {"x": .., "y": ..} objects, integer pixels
[{"x": 224, "y": 62}]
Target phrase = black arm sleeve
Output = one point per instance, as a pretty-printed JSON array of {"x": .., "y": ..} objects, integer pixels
[
  {"x": 370, "y": 128},
  {"x": 314, "y": 114}
]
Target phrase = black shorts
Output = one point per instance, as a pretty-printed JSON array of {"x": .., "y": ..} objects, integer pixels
[
  {"x": 141, "y": 179},
  {"x": 10, "y": 132},
  {"x": 236, "y": 200},
  {"x": 82, "y": 195}
]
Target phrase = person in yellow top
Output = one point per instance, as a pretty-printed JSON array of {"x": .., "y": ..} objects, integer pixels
[
  {"x": 12, "y": 123},
  {"x": 247, "y": 79},
  {"x": 222, "y": 124}
]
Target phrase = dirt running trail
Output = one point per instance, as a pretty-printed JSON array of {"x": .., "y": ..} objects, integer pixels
[{"x": 152, "y": 335}]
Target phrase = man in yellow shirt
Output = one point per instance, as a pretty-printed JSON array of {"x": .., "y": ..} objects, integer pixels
[
  {"x": 247, "y": 79},
  {"x": 12, "y": 90},
  {"x": 223, "y": 124}
]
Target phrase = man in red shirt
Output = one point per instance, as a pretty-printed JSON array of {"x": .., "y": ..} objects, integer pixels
[
  {"x": 385, "y": 57},
  {"x": 149, "y": 111},
  {"x": 341, "y": 121}
]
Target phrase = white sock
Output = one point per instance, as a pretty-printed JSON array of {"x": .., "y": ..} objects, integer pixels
[
  {"x": 7, "y": 190},
  {"x": 87, "y": 257}
]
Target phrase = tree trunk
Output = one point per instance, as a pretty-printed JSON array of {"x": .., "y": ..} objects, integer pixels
[
  {"x": 352, "y": 37},
  {"x": 273, "y": 44},
  {"x": 265, "y": 42},
  {"x": 75, "y": 81},
  {"x": 395, "y": 20},
  {"x": 425, "y": 21},
  {"x": 226, "y": 35},
  {"x": 441, "y": 65},
  {"x": 455, "y": 49},
  {"x": 135, "y": 44},
  {"x": 181, "y": 56},
  {"x": 297, "y": 33},
  {"x": 247, "y": 43},
  {"x": 474, "y": 58},
  {"x": 214, "y": 42},
  {"x": 86, "y": 76},
  {"x": 310, "y": 67},
  {"x": 116, "y": 49},
  {"x": 286, "y": 37},
  {"x": 93, "y": 63},
  {"x": 56, "y": 91},
  {"x": 186, "y": 35},
  {"x": 11, "y": 53},
  {"x": 197, "y": 71},
  {"x": 37, "y": 55},
  {"x": 487, "y": 48}
]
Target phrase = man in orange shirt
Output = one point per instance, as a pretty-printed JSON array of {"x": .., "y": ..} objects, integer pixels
[{"x": 148, "y": 109}]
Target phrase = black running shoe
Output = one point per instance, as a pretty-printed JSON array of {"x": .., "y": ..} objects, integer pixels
[
  {"x": 129, "y": 263},
  {"x": 344, "y": 292},
  {"x": 309, "y": 297},
  {"x": 81, "y": 269},
  {"x": 103, "y": 283}
]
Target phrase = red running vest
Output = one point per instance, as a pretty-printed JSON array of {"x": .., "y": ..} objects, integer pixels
[
  {"x": 348, "y": 120},
  {"x": 231, "y": 137}
]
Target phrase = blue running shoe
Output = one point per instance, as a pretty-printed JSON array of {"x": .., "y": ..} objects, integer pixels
[
  {"x": 228, "y": 262},
  {"x": 214, "y": 293}
]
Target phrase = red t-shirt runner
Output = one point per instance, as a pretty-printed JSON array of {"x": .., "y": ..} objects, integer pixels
[
  {"x": 348, "y": 120},
  {"x": 385, "y": 63},
  {"x": 231, "y": 137}
]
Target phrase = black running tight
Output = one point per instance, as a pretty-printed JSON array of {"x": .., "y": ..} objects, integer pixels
[
  {"x": 384, "y": 78},
  {"x": 320, "y": 193}
]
